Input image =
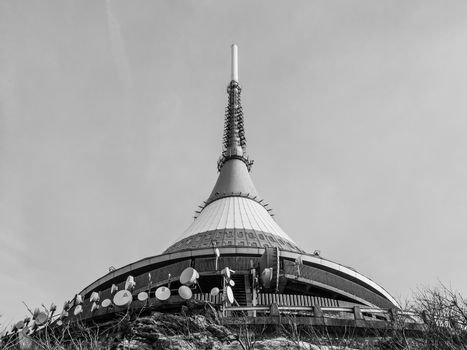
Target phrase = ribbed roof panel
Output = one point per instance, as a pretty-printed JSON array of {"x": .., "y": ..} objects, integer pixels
[{"x": 238, "y": 213}]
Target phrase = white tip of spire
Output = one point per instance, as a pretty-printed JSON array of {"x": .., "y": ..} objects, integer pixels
[{"x": 234, "y": 62}]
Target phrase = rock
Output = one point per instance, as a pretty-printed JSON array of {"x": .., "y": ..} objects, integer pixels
[
  {"x": 218, "y": 331},
  {"x": 173, "y": 343},
  {"x": 133, "y": 345}
]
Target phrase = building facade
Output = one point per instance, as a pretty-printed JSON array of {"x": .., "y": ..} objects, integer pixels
[{"x": 233, "y": 229}]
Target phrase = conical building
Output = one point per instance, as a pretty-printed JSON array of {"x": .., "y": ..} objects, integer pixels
[{"x": 235, "y": 229}]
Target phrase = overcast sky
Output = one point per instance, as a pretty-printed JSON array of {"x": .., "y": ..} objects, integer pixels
[{"x": 111, "y": 118}]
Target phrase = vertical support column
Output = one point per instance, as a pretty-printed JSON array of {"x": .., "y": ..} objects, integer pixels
[{"x": 357, "y": 313}]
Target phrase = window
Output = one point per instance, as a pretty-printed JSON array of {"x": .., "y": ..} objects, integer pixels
[
  {"x": 251, "y": 235},
  {"x": 261, "y": 236},
  {"x": 229, "y": 234},
  {"x": 272, "y": 239},
  {"x": 241, "y": 243},
  {"x": 253, "y": 244},
  {"x": 240, "y": 234}
]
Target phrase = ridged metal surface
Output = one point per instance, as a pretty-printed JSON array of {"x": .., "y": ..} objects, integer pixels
[{"x": 235, "y": 213}]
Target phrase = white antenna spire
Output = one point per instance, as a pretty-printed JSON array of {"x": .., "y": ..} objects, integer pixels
[{"x": 234, "y": 62}]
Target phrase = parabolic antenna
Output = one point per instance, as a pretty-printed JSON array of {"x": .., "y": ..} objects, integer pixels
[
  {"x": 215, "y": 291},
  {"x": 227, "y": 272},
  {"x": 232, "y": 283},
  {"x": 266, "y": 277},
  {"x": 162, "y": 293},
  {"x": 123, "y": 298},
  {"x": 59, "y": 323},
  {"x": 106, "y": 303},
  {"x": 41, "y": 318},
  {"x": 94, "y": 297},
  {"x": 78, "y": 310},
  {"x": 189, "y": 276},
  {"x": 78, "y": 299},
  {"x": 94, "y": 306},
  {"x": 113, "y": 289},
  {"x": 143, "y": 296},
  {"x": 130, "y": 283},
  {"x": 229, "y": 293},
  {"x": 185, "y": 292}
]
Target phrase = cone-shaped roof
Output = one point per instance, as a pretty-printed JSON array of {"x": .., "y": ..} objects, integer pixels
[{"x": 234, "y": 214}]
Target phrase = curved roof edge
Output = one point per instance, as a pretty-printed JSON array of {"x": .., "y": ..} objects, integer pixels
[{"x": 318, "y": 261}]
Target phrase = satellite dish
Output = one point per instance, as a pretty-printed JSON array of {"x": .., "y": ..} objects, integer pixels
[
  {"x": 230, "y": 295},
  {"x": 217, "y": 252},
  {"x": 130, "y": 283},
  {"x": 266, "y": 277},
  {"x": 41, "y": 318},
  {"x": 189, "y": 276},
  {"x": 113, "y": 289},
  {"x": 143, "y": 296},
  {"x": 19, "y": 325},
  {"x": 106, "y": 303},
  {"x": 78, "y": 310},
  {"x": 162, "y": 293},
  {"x": 94, "y": 297},
  {"x": 78, "y": 299},
  {"x": 215, "y": 291},
  {"x": 94, "y": 306},
  {"x": 123, "y": 298},
  {"x": 299, "y": 260},
  {"x": 185, "y": 292},
  {"x": 232, "y": 283},
  {"x": 227, "y": 272},
  {"x": 59, "y": 323}
]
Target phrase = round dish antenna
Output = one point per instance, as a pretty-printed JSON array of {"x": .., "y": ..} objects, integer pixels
[
  {"x": 185, "y": 292},
  {"x": 229, "y": 293},
  {"x": 78, "y": 310},
  {"x": 106, "y": 303},
  {"x": 266, "y": 277},
  {"x": 94, "y": 306},
  {"x": 130, "y": 283},
  {"x": 162, "y": 293},
  {"x": 215, "y": 291},
  {"x": 189, "y": 276},
  {"x": 94, "y": 297},
  {"x": 143, "y": 296},
  {"x": 123, "y": 298}
]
